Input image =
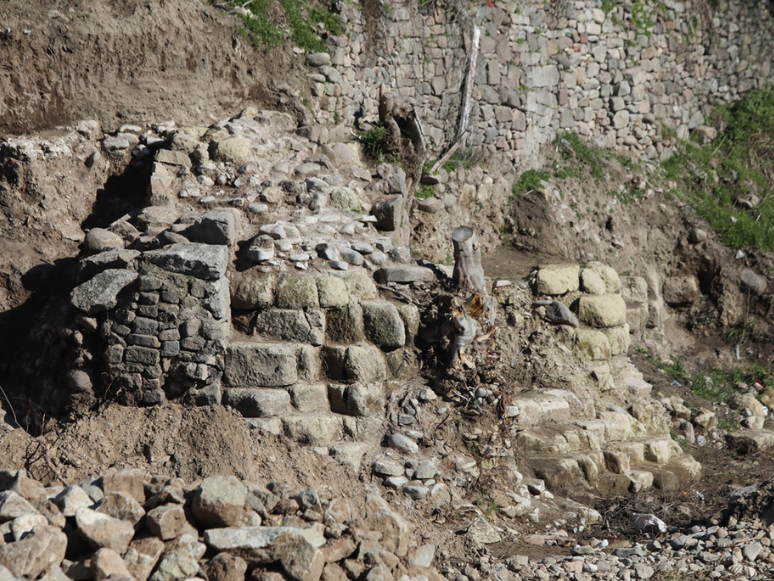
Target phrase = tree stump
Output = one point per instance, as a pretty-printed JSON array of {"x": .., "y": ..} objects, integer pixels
[{"x": 468, "y": 272}]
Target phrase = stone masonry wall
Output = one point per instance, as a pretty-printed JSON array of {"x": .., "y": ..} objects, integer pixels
[{"x": 634, "y": 76}]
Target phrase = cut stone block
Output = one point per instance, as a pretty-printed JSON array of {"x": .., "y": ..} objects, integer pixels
[
  {"x": 383, "y": 324},
  {"x": 258, "y": 403},
  {"x": 314, "y": 430},
  {"x": 261, "y": 365},
  {"x": 308, "y": 398},
  {"x": 297, "y": 292},
  {"x": 602, "y": 311},
  {"x": 203, "y": 261}
]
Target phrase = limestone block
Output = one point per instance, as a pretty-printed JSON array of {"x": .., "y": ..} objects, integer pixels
[
  {"x": 661, "y": 451},
  {"x": 258, "y": 403},
  {"x": 254, "y": 293},
  {"x": 101, "y": 292},
  {"x": 557, "y": 279},
  {"x": 122, "y": 506},
  {"x": 619, "y": 339},
  {"x": 309, "y": 398},
  {"x": 297, "y": 292},
  {"x": 681, "y": 290},
  {"x": 332, "y": 292},
  {"x": 617, "y": 462},
  {"x": 383, "y": 325},
  {"x": 106, "y": 563},
  {"x": 308, "y": 363},
  {"x": 602, "y": 310},
  {"x": 558, "y": 472},
  {"x": 634, "y": 290},
  {"x": 364, "y": 363},
  {"x": 260, "y": 365},
  {"x": 288, "y": 325},
  {"x": 167, "y": 521},
  {"x": 592, "y": 345},
  {"x": 747, "y": 403},
  {"x": 544, "y": 76},
  {"x": 591, "y": 282},
  {"x": 404, "y": 274},
  {"x": 608, "y": 275},
  {"x": 203, "y": 261},
  {"x": 142, "y": 556}
]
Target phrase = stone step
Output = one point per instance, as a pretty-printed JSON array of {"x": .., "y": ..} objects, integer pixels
[
  {"x": 580, "y": 435},
  {"x": 546, "y": 405}
]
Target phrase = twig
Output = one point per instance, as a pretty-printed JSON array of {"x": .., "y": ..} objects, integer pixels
[{"x": 10, "y": 405}]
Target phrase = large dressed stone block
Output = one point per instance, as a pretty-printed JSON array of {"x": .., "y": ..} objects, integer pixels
[
  {"x": 297, "y": 292},
  {"x": 258, "y": 403},
  {"x": 314, "y": 430},
  {"x": 101, "y": 292},
  {"x": 383, "y": 324},
  {"x": 310, "y": 398},
  {"x": 260, "y": 365},
  {"x": 288, "y": 325},
  {"x": 602, "y": 310},
  {"x": 365, "y": 363},
  {"x": 619, "y": 339},
  {"x": 254, "y": 293},
  {"x": 332, "y": 292},
  {"x": 203, "y": 261},
  {"x": 345, "y": 324},
  {"x": 557, "y": 279}
]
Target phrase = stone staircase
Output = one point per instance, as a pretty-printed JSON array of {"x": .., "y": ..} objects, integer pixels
[{"x": 612, "y": 452}]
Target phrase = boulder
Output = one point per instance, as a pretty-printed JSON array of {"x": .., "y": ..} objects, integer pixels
[
  {"x": 166, "y": 521},
  {"x": 101, "y": 292},
  {"x": 560, "y": 314},
  {"x": 220, "y": 501},
  {"x": 99, "y": 239},
  {"x": 235, "y": 150},
  {"x": 13, "y": 505},
  {"x": 107, "y": 563},
  {"x": 35, "y": 554},
  {"x": 214, "y": 227},
  {"x": 364, "y": 363},
  {"x": 258, "y": 403},
  {"x": 752, "y": 282},
  {"x": 395, "y": 530},
  {"x": 122, "y": 506},
  {"x": 205, "y": 261},
  {"x": 71, "y": 499},
  {"x": 226, "y": 567},
  {"x": 602, "y": 310},
  {"x": 557, "y": 279},
  {"x": 101, "y": 530},
  {"x": 389, "y": 213},
  {"x": 482, "y": 533},
  {"x": 130, "y": 481},
  {"x": 681, "y": 290},
  {"x": 142, "y": 556}
]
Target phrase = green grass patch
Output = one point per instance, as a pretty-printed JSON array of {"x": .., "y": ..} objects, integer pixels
[
  {"x": 465, "y": 159},
  {"x": 306, "y": 20},
  {"x": 373, "y": 143},
  {"x": 530, "y": 180},
  {"x": 730, "y": 182},
  {"x": 424, "y": 191}
]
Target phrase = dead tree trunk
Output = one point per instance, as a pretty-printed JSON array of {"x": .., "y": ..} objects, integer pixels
[{"x": 468, "y": 272}]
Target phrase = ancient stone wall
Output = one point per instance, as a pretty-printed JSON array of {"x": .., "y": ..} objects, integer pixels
[{"x": 634, "y": 76}]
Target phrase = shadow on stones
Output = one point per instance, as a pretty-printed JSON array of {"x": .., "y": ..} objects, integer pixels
[{"x": 121, "y": 194}]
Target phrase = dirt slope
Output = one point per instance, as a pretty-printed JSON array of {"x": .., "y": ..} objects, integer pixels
[{"x": 126, "y": 61}]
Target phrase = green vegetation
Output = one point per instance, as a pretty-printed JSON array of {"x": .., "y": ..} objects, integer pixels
[
  {"x": 530, "y": 180},
  {"x": 424, "y": 191},
  {"x": 730, "y": 181},
  {"x": 373, "y": 143},
  {"x": 712, "y": 383},
  {"x": 305, "y": 19},
  {"x": 465, "y": 159}
]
